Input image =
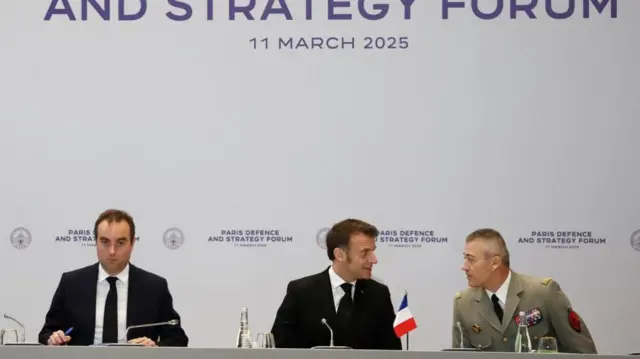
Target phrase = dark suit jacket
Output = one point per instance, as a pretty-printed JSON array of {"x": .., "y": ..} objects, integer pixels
[
  {"x": 149, "y": 301},
  {"x": 298, "y": 322}
]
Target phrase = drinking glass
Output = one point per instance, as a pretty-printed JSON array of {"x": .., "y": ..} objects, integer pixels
[
  {"x": 8, "y": 336},
  {"x": 548, "y": 345},
  {"x": 265, "y": 340}
]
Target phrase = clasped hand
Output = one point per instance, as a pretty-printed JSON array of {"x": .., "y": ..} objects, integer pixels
[{"x": 144, "y": 341}]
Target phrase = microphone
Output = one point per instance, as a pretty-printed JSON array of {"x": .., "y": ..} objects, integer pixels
[
  {"x": 24, "y": 331},
  {"x": 461, "y": 337},
  {"x": 169, "y": 322},
  {"x": 462, "y": 348},
  {"x": 324, "y": 321},
  {"x": 330, "y": 346}
]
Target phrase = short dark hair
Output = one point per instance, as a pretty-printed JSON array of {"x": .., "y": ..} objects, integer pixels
[
  {"x": 115, "y": 215},
  {"x": 341, "y": 232},
  {"x": 491, "y": 235}
]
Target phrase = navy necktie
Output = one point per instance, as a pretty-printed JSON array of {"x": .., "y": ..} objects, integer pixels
[
  {"x": 344, "y": 317},
  {"x": 496, "y": 307},
  {"x": 110, "y": 324}
]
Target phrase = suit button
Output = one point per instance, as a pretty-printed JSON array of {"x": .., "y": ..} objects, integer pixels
[{"x": 504, "y": 339}]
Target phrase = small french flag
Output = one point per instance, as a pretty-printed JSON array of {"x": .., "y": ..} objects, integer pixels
[{"x": 404, "y": 322}]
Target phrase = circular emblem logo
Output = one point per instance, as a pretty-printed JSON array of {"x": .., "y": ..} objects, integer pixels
[
  {"x": 20, "y": 238},
  {"x": 321, "y": 238},
  {"x": 635, "y": 240},
  {"x": 173, "y": 238}
]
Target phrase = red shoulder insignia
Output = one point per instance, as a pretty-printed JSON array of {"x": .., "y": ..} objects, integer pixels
[{"x": 575, "y": 321}]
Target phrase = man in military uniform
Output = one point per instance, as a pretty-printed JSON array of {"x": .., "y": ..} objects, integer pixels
[{"x": 485, "y": 315}]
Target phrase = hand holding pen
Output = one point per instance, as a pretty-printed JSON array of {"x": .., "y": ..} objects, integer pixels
[{"x": 59, "y": 337}]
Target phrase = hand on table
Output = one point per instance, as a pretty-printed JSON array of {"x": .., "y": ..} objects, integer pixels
[{"x": 144, "y": 341}]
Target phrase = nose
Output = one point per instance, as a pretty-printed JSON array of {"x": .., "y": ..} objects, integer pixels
[
  {"x": 464, "y": 267},
  {"x": 112, "y": 250},
  {"x": 374, "y": 259}
]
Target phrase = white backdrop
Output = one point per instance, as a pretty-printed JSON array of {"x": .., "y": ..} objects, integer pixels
[{"x": 519, "y": 124}]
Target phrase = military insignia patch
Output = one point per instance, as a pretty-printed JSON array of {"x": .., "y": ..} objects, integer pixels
[
  {"x": 574, "y": 321},
  {"x": 534, "y": 316},
  {"x": 476, "y": 328},
  {"x": 546, "y": 281}
]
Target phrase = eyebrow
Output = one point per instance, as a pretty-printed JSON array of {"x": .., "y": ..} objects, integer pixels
[{"x": 119, "y": 239}]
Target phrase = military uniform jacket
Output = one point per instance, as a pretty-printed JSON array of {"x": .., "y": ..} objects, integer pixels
[{"x": 548, "y": 311}]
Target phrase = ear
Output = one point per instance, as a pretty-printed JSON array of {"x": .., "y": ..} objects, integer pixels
[
  {"x": 495, "y": 262},
  {"x": 340, "y": 254},
  {"x": 337, "y": 253}
]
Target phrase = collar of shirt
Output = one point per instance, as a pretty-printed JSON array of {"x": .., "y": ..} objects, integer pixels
[
  {"x": 337, "y": 281},
  {"x": 502, "y": 292},
  {"x": 122, "y": 276}
]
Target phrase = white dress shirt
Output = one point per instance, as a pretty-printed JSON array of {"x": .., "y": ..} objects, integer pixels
[
  {"x": 338, "y": 292},
  {"x": 502, "y": 292},
  {"x": 122, "y": 287}
]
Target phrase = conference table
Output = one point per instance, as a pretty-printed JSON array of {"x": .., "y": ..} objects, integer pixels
[{"x": 43, "y": 352}]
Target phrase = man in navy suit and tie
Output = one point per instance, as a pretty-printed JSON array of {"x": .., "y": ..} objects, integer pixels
[
  {"x": 96, "y": 304},
  {"x": 356, "y": 307}
]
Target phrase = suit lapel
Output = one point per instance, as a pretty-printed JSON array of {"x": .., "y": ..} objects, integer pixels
[
  {"x": 133, "y": 287},
  {"x": 89, "y": 310},
  {"x": 485, "y": 308},
  {"x": 513, "y": 299},
  {"x": 359, "y": 302},
  {"x": 359, "y": 297}
]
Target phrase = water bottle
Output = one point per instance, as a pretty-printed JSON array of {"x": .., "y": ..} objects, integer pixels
[
  {"x": 244, "y": 334},
  {"x": 523, "y": 341}
]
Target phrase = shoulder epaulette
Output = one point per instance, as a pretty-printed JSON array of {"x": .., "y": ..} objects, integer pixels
[
  {"x": 546, "y": 280},
  {"x": 458, "y": 295}
]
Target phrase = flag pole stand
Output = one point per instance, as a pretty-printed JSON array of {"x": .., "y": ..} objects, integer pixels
[{"x": 407, "y": 341}]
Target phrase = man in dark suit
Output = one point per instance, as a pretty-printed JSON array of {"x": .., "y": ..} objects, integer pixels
[
  {"x": 357, "y": 308},
  {"x": 95, "y": 304}
]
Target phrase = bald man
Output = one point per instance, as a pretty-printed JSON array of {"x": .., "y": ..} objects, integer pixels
[{"x": 487, "y": 310}]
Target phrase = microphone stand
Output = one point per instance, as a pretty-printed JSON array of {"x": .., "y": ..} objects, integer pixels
[
  {"x": 24, "y": 330},
  {"x": 330, "y": 346},
  {"x": 23, "y": 337},
  {"x": 462, "y": 348},
  {"x": 126, "y": 333}
]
